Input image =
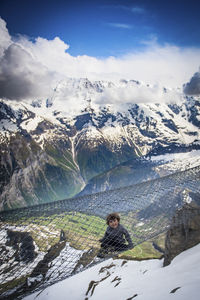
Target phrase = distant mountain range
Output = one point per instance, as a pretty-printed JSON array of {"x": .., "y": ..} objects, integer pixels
[{"x": 70, "y": 143}]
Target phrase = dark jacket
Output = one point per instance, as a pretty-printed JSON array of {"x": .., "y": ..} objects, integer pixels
[{"x": 116, "y": 236}]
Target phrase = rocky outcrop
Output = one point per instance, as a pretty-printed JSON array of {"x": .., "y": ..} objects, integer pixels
[
  {"x": 38, "y": 274},
  {"x": 43, "y": 265},
  {"x": 22, "y": 243},
  {"x": 184, "y": 231}
]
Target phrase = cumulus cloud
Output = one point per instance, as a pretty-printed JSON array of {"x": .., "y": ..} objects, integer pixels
[
  {"x": 138, "y": 93},
  {"x": 33, "y": 68},
  {"x": 21, "y": 76},
  {"x": 193, "y": 86},
  {"x": 5, "y": 39}
]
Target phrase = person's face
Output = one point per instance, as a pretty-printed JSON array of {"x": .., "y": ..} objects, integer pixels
[{"x": 113, "y": 223}]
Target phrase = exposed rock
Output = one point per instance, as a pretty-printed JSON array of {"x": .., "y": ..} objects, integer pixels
[
  {"x": 174, "y": 290},
  {"x": 132, "y": 297},
  {"x": 86, "y": 259},
  {"x": 184, "y": 231},
  {"x": 23, "y": 244},
  {"x": 62, "y": 235},
  {"x": 43, "y": 265},
  {"x": 93, "y": 284},
  {"x": 39, "y": 272}
]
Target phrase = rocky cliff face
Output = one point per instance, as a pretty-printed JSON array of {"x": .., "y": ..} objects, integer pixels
[
  {"x": 49, "y": 153},
  {"x": 184, "y": 231}
]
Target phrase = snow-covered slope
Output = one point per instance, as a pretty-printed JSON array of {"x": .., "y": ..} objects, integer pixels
[{"x": 144, "y": 280}]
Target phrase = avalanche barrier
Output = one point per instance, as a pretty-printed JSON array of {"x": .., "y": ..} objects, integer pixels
[{"x": 46, "y": 243}]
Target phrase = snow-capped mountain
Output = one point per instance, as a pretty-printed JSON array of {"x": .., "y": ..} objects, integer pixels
[{"x": 51, "y": 148}]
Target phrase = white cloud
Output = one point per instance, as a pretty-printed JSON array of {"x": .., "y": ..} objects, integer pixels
[
  {"x": 32, "y": 68},
  {"x": 134, "y": 93},
  {"x": 120, "y": 25},
  {"x": 5, "y": 39},
  {"x": 193, "y": 87},
  {"x": 21, "y": 76}
]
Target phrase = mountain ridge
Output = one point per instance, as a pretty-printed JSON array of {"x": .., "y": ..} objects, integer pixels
[{"x": 50, "y": 151}]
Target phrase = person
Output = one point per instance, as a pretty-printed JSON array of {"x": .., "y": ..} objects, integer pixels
[{"x": 115, "y": 237}]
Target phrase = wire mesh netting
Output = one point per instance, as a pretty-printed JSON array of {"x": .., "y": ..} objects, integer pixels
[{"x": 42, "y": 244}]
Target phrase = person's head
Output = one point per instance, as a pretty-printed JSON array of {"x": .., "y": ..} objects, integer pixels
[{"x": 113, "y": 220}]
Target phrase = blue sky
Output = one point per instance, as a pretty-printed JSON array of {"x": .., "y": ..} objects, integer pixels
[
  {"x": 44, "y": 41},
  {"x": 104, "y": 28}
]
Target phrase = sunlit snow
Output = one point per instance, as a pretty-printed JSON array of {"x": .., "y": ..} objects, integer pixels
[{"x": 119, "y": 279}]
